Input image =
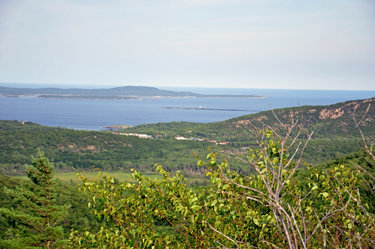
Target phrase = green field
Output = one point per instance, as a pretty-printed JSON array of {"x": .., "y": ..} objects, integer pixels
[{"x": 121, "y": 176}]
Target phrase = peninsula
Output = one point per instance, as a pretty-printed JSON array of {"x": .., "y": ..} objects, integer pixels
[{"x": 209, "y": 109}]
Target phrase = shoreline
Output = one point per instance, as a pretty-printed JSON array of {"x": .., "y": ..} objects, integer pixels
[
  {"x": 118, "y": 127},
  {"x": 208, "y": 109},
  {"x": 121, "y": 97}
]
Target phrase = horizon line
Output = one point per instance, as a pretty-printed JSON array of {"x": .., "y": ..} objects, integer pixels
[{"x": 80, "y": 86}]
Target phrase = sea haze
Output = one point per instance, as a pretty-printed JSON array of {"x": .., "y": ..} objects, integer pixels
[{"x": 95, "y": 114}]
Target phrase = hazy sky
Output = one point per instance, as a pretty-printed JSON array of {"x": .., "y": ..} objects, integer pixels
[{"x": 320, "y": 44}]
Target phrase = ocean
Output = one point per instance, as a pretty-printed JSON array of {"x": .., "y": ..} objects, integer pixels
[{"x": 96, "y": 114}]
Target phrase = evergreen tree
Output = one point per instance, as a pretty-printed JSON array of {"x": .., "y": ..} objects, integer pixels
[{"x": 36, "y": 218}]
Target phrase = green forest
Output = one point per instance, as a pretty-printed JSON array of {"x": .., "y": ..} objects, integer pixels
[{"x": 300, "y": 177}]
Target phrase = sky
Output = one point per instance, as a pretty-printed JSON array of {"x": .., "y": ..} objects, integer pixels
[{"x": 281, "y": 44}]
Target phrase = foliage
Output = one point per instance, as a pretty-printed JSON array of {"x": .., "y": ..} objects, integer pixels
[
  {"x": 262, "y": 199},
  {"x": 73, "y": 150},
  {"x": 329, "y": 213},
  {"x": 267, "y": 209},
  {"x": 38, "y": 225},
  {"x": 79, "y": 216},
  {"x": 137, "y": 213}
]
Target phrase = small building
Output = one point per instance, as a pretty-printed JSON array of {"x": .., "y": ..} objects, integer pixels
[
  {"x": 142, "y": 135},
  {"x": 180, "y": 138}
]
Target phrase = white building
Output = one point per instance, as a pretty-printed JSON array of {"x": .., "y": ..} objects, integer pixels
[{"x": 180, "y": 138}]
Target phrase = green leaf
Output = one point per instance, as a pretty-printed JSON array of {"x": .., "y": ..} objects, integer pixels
[
  {"x": 256, "y": 221},
  {"x": 315, "y": 187},
  {"x": 194, "y": 200},
  {"x": 200, "y": 163},
  {"x": 269, "y": 134},
  {"x": 195, "y": 207}
]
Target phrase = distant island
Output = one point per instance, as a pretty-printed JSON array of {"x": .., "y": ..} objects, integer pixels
[
  {"x": 208, "y": 109},
  {"x": 117, "y": 93}
]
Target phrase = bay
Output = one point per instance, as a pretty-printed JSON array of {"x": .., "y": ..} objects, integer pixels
[{"x": 96, "y": 114}]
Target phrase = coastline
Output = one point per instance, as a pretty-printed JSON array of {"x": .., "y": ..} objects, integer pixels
[
  {"x": 122, "y": 97},
  {"x": 118, "y": 127},
  {"x": 209, "y": 109}
]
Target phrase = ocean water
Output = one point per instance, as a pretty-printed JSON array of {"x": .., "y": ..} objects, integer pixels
[{"x": 96, "y": 114}]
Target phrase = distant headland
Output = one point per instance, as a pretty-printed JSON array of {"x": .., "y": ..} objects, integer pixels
[
  {"x": 208, "y": 109},
  {"x": 117, "y": 93}
]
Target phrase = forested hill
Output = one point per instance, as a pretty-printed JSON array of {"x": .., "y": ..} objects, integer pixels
[
  {"x": 335, "y": 135},
  {"x": 138, "y": 91},
  {"x": 79, "y": 150},
  {"x": 326, "y": 121}
]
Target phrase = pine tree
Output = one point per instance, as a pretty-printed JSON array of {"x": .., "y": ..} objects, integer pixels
[{"x": 36, "y": 218}]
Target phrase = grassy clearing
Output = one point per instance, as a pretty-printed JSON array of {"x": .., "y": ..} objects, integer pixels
[
  {"x": 121, "y": 176},
  {"x": 72, "y": 176}
]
